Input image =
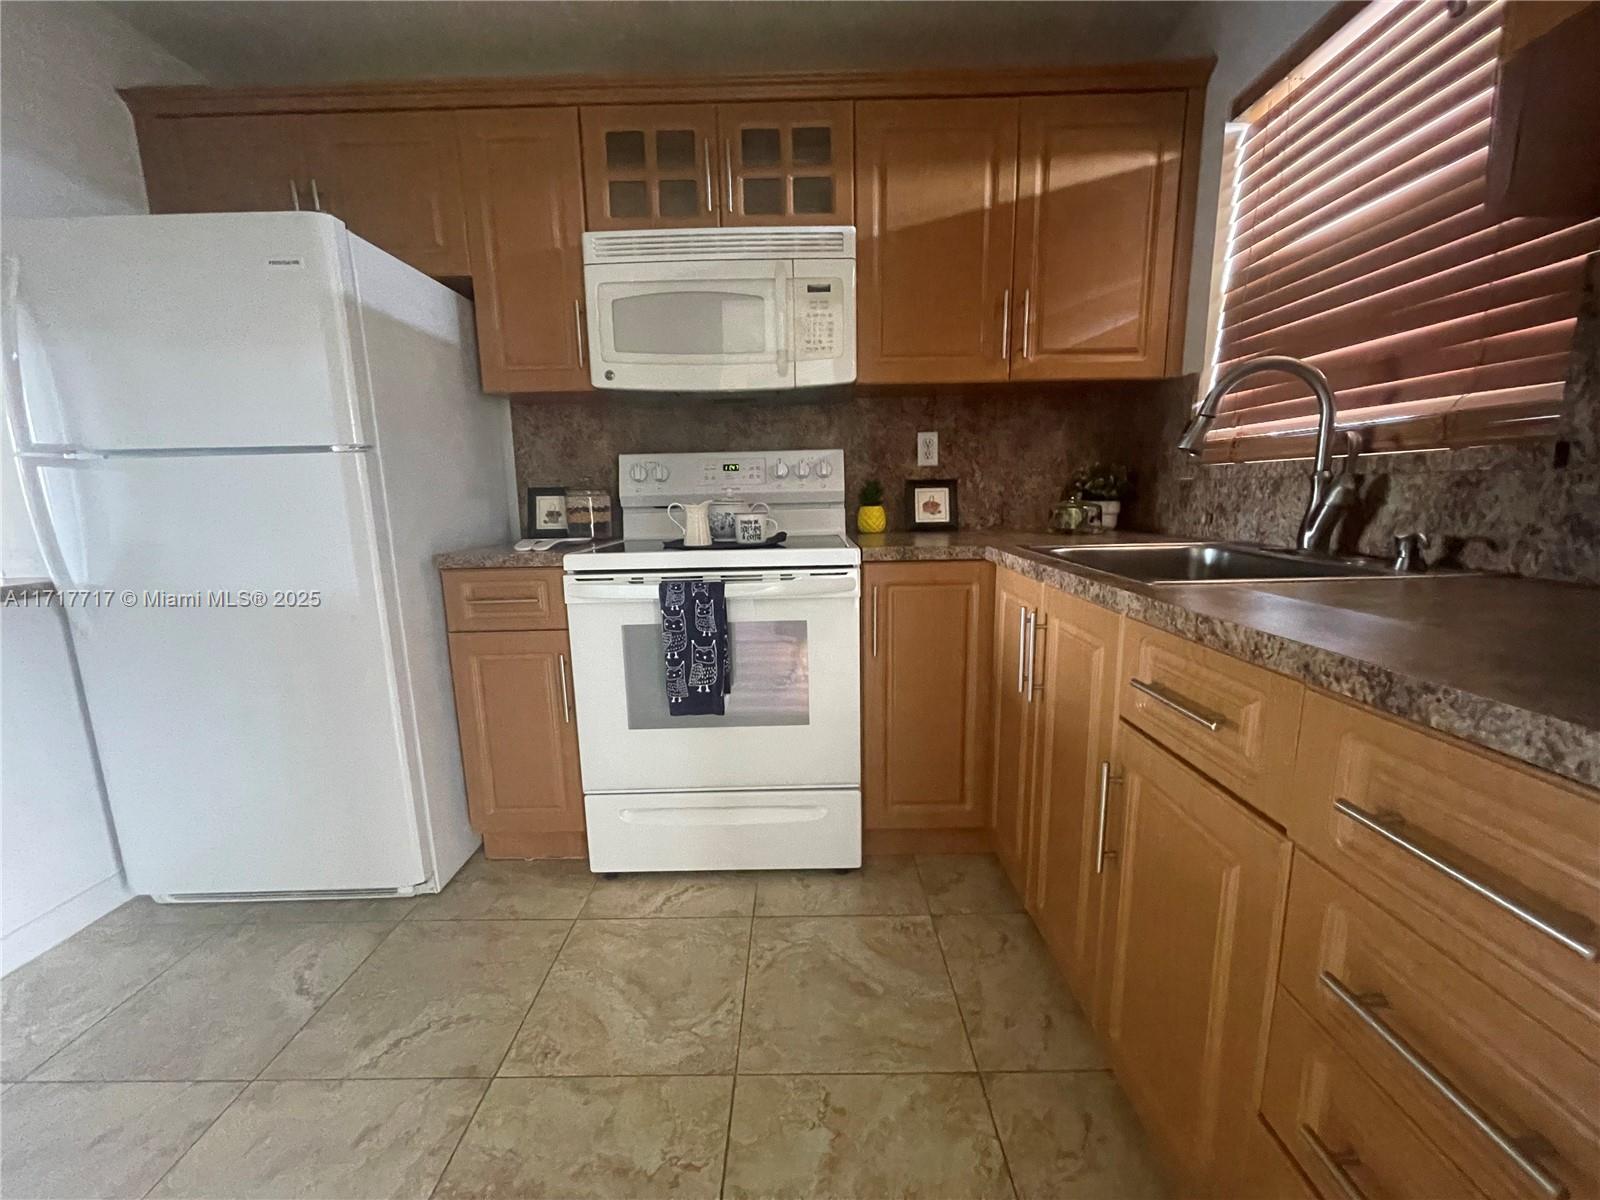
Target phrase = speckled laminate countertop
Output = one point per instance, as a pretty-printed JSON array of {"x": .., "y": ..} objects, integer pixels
[{"x": 1510, "y": 664}]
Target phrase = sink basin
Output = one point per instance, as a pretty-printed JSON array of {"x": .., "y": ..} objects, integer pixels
[{"x": 1213, "y": 562}]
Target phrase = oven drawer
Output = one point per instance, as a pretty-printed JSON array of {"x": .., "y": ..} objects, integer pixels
[
  {"x": 724, "y": 831},
  {"x": 1497, "y": 865},
  {"x": 1234, "y": 722},
  {"x": 497, "y": 599},
  {"x": 1348, "y": 1136},
  {"x": 1482, "y": 1078}
]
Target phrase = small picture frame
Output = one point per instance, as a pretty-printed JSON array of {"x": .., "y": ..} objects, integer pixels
[
  {"x": 931, "y": 503},
  {"x": 547, "y": 511}
]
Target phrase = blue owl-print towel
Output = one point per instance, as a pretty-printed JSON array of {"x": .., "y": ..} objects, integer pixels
[{"x": 694, "y": 646}]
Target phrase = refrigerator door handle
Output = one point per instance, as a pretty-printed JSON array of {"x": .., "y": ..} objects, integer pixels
[{"x": 27, "y": 454}]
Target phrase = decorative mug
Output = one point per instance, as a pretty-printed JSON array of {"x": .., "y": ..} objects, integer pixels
[
  {"x": 725, "y": 512},
  {"x": 751, "y": 529},
  {"x": 696, "y": 523}
]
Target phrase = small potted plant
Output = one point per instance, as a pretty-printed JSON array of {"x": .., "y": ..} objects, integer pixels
[
  {"x": 1106, "y": 485},
  {"x": 870, "y": 517}
]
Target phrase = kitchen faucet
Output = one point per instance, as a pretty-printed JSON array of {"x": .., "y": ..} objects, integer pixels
[{"x": 1329, "y": 496}]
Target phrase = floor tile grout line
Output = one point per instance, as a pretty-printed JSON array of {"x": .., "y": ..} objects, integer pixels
[
  {"x": 515, "y": 1034},
  {"x": 244, "y": 1086},
  {"x": 738, "y": 1037},
  {"x": 961, "y": 1012},
  {"x": 198, "y": 946}
]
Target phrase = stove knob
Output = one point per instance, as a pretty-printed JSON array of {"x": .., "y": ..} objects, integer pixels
[
  {"x": 781, "y": 470},
  {"x": 824, "y": 468},
  {"x": 802, "y": 468},
  {"x": 661, "y": 471},
  {"x": 639, "y": 472}
]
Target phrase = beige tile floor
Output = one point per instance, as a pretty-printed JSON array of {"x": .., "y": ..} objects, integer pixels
[{"x": 535, "y": 1032}]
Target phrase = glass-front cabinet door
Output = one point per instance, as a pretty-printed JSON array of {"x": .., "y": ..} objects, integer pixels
[
  {"x": 650, "y": 166},
  {"x": 786, "y": 163}
]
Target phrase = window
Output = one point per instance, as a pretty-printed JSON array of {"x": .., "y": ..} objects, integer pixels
[{"x": 1358, "y": 239}]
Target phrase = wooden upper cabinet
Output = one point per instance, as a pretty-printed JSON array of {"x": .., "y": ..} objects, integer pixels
[
  {"x": 787, "y": 163},
  {"x": 1097, "y": 226},
  {"x": 1077, "y": 662},
  {"x": 525, "y": 222},
  {"x": 519, "y": 741},
  {"x": 225, "y": 164},
  {"x": 395, "y": 179},
  {"x": 650, "y": 165},
  {"x": 1016, "y": 608},
  {"x": 935, "y": 204},
  {"x": 1195, "y": 904},
  {"x": 925, "y": 695}
]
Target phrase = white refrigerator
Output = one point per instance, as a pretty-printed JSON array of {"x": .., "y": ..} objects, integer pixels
[{"x": 242, "y": 438}]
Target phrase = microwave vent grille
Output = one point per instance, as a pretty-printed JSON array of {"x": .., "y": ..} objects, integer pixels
[{"x": 688, "y": 245}]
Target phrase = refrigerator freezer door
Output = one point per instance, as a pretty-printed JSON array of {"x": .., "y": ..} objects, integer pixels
[
  {"x": 200, "y": 330},
  {"x": 237, "y": 662}
]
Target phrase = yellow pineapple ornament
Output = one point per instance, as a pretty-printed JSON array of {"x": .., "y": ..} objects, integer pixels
[{"x": 870, "y": 517}]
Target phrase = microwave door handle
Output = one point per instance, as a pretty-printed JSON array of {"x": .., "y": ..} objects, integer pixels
[{"x": 781, "y": 302}]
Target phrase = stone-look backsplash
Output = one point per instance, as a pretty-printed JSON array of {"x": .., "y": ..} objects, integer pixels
[
  {"x": 1010, "y": 451},
  {"x": 1495, "y": 508}
]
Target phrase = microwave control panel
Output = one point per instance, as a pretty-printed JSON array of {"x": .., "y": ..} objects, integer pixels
[{"x": 819, "y": 318}]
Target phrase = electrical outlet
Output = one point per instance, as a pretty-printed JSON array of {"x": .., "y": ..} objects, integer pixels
[{"x": 927, "y": 449}]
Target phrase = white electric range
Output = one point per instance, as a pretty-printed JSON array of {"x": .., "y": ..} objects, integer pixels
[{"x": 775, "y": 781}]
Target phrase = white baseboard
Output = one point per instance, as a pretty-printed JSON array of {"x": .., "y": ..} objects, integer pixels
[{"x": 49, "y": 929}]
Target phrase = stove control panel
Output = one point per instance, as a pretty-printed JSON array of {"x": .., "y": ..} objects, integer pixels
[{"x": 796, "y": 476}]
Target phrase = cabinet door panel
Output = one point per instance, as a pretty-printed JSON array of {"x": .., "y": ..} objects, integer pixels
[
  {"x": 935, "y": 204},
  {"x": 925, "y": 705},
  {"x": 787, "y": 163},
  {"x": 650, "y": 165},
  {"x": 523, "y": 171},
  {"x": 1195, "y": 907},
  {"x": 1078, "y": 662},
  {"x": 519, "y": 742},
  {"x": 395, "y": 179},
  {"x": 1015, "y": 717},
  {"x": 225, "y": 164},
  {"x": 1097, "y": 223}
]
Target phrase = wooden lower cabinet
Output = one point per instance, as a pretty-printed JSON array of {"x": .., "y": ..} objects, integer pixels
[
  {"x": 519, "y": 742},
  {"x": 1195, "y": 898},
  {"x": 1016, "y": 612},
  {"x": 1077, "y": 662},
  {"x": 925, "y": 695}
]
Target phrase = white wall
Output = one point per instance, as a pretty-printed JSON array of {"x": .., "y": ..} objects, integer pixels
[
  {"x": 66, "y": 149},
  {"x": 1246, "y": 36}
]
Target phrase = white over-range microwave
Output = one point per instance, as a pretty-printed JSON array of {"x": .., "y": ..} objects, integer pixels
[{"x": 720, "y": 310}]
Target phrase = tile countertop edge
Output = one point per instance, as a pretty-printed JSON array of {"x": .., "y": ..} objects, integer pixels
[{"x": 1562, "y": 747}]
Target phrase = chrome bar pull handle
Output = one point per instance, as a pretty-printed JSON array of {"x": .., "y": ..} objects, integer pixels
[
  {"x": 727, "y": 170},
  {"x": 577, "y": 321},
  {"x": 1335, "y": 1163},
  {"x": 566, "y": 704},
  {"x": 1100, "y": 851},
  {"x": 1030, "y": 626},
  {"x": 1022, "y": 639},
  {"x": 1513, "y": 1148},
  {"x": 1027, "y": 316},
  {"x": 294, "y": 194},
  {"x": 874, "y": 620},
  {"x": 711, "y": 193},
  {"x": 1005, "y": 328},
  {"x": 1177, "y": 704},
  {"x": 1573, "y": 931},
  {"x": 316, "y": 197}
]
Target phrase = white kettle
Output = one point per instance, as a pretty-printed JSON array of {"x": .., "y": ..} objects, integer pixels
[{"x": 696, "y": 523}]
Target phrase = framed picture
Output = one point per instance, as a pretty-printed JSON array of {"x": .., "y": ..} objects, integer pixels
[
  {"x": 931, "y": 503},
  {"x": 547, "y": 511}
]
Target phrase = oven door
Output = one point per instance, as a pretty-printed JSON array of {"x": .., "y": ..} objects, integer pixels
[
  {"x": 793, "y": 717},
  {"x": 679, "y": 326}
]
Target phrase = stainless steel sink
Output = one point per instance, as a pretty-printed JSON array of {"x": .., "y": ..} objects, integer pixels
[{"x": 1214, "y": 562}]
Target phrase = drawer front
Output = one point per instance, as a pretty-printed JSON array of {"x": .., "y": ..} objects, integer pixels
[
  {"x": 1268, "y": 1172},
  {"x": 1347, "y": 1135},
  {"x": 508, "y": 598},
  {"x": 1235, "y": 722},
  {"x": 1478, "y": 1075},
  {"x": 1498, "y": 866}
]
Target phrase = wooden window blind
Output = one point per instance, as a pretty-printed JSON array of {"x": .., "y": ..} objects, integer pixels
[{"x": 1358, "y": 239}]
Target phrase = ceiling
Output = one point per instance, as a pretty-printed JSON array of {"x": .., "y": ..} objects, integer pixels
[{"x": 285, "y": 41}]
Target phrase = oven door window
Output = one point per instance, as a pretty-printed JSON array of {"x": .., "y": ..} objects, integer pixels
[{"x": 771, "y": 678}]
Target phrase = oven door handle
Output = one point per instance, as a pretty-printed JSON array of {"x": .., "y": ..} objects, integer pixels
[{"x": 775, "y": 589}]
